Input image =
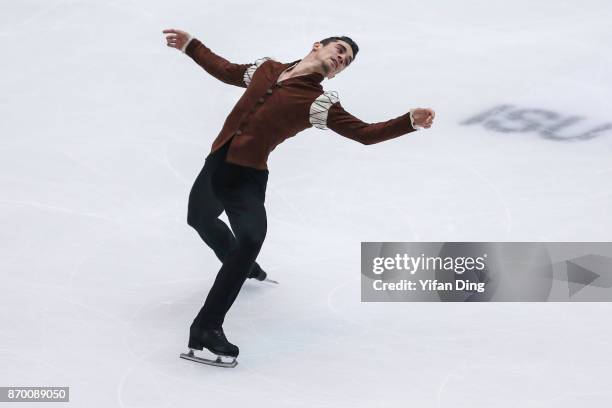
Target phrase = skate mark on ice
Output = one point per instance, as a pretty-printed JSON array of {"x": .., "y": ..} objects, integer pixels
[
  {"x": 173, "y": 169},
  {"x": 289, "y": 204},
  {"x": 19, "y": 26},
  {"x": 402, "y": 214},
  {"x": 487, "y": 182},
  {"x": 60, "y": 209},
  {"x": 445, "y": 382},
  {"x": 170, "y": 281}
]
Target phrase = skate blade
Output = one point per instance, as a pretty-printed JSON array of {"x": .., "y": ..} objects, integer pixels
[
  {"x": 217, "y": 363},
  {"x": 270, "y": 281}
]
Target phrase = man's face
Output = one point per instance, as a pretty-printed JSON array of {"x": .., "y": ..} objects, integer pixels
[{"x": 335, "y": 56}]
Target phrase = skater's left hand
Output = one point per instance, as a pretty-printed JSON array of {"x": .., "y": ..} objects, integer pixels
[
  {"x": 177, "y": 39},
  {"x": 423, "y": 117}
]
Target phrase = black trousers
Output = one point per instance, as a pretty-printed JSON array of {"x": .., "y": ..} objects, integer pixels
[{"x": 240, "y": 191}]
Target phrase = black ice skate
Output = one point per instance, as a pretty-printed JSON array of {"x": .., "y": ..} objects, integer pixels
[
  {"x": 260, "y": 275},
  {"x": 213, "y": 340}
]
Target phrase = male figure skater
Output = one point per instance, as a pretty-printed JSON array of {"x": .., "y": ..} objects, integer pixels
[{"x": 280, "y": 100}]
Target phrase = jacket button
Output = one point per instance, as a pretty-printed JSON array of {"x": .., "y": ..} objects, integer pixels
[
  {"x": 261, "y": 100},
  {"x": 238, "y": 132},
  {"x": 269, "y": 92}
]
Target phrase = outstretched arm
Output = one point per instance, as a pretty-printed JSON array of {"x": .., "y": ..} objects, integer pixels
[
  {"x": 347, "y": 125},
  {"x": 215, "y": 65}
]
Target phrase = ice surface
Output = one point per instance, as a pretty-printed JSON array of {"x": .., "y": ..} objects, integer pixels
[{"x": 103, "y": 129}]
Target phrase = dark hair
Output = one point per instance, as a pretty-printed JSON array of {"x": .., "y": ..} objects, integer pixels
[{"x": 350, "y": 42}]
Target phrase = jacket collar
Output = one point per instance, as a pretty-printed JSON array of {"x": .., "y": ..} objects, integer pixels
[{"x": 312, "y": 77}]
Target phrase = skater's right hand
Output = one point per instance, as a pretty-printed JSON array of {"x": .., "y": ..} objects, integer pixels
[
  {"x": 177, "y": 39},
  {"x": 423, "y": 117}
]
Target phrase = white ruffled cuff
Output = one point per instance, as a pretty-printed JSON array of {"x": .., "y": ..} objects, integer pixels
[
  {"x": 416, "y": 127},
  {"x": 186, "y": 44}
]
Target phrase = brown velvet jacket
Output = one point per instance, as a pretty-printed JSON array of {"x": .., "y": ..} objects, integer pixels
[{"x": 270, "y": 111}]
